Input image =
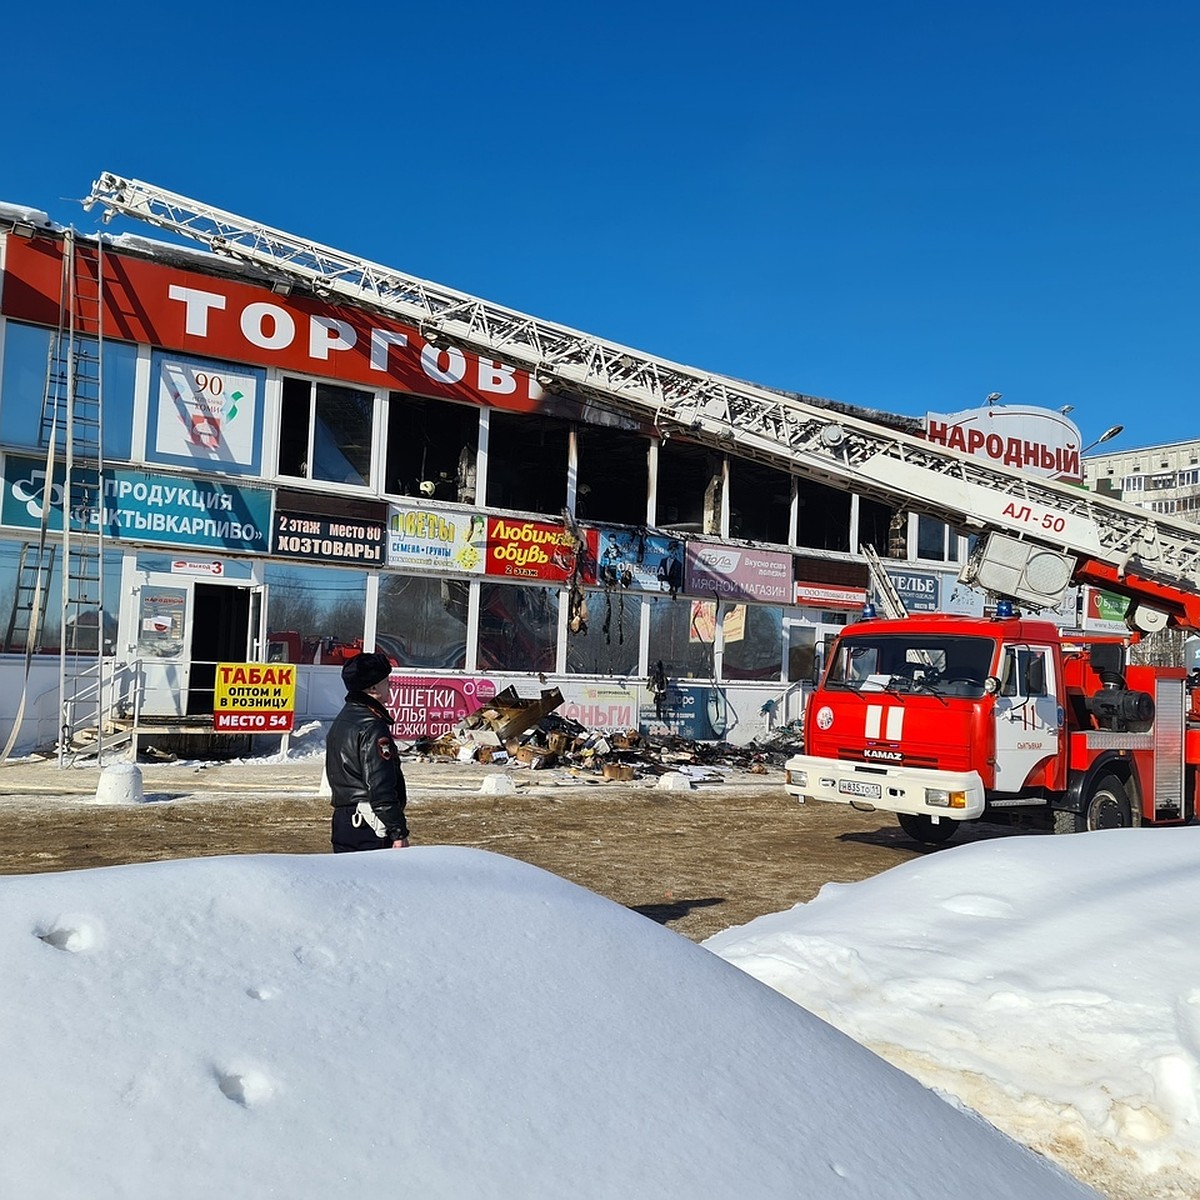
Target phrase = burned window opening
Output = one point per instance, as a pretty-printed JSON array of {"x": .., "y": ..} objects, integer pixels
[
  {"x": 876, "y": 523},
  {"x": 688, "y": 487},
  {"x": 823, "y": 521},
  {"x": 760, "y": 502},
  {"x": 432, "y": 446},
  {"x": 613, "y": 475},
  {"x": 527, "y": 463}
]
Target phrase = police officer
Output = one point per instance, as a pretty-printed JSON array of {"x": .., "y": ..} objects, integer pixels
[{"x": 362, "y": 764}]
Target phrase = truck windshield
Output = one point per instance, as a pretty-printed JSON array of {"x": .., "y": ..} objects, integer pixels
[{"x": 947, "y": 666}]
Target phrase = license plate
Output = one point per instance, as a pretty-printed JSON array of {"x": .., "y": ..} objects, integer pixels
[{"x": 859, "y": 787}]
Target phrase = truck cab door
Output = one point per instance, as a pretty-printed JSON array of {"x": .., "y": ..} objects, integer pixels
[{"x": 1028, "y": 714}]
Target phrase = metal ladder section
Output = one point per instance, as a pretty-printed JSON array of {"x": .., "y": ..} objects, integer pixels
[
  {"x": 884, "y": 588},
  {"x": 81, "y": 655},
  {"x": 790, "y": 432}
]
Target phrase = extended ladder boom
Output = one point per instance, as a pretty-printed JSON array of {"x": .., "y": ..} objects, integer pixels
[{"x": 1154, "y": 561}]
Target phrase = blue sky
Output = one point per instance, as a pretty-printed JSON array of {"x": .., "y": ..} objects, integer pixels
[{"x": 903, "y": 206}]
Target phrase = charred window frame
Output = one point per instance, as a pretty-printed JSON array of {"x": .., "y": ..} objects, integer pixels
[
  {"x": 432, "y": 447},
  {"x": 823, "y": 516},
  {"x": 518, "y": 627},
  {"x": 610, "y": 646},
  {"x": 612, "y": 475},
  {"x": 527, "y": 462},
  {"x": 688, "y": 487},
  {"x": 876, "y": 526},
  {"x": 682, "y": 636},
  {"x": 421, "y": 621},
  {"x": 760, "y": 502},
  {"x": 326, "y": 432},
  {"x": 756, "y": 650}
]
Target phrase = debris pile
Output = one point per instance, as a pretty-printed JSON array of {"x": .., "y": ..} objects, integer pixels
[{"x": 514, "y": 730}]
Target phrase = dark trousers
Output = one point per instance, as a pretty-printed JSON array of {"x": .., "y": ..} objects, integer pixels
[{"x": 348, "y": 836}]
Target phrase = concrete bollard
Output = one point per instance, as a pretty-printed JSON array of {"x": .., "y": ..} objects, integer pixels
[
  {"x": 497, "y": 785},
  {"x": 674, "y": 781},
  {"x": 120, "y": 783}
]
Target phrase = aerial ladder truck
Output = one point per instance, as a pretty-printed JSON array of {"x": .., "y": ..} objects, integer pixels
[{"x": 936, "y": 718}]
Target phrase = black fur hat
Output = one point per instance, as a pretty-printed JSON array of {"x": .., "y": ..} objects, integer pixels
[{"x": 364, "y": 670}]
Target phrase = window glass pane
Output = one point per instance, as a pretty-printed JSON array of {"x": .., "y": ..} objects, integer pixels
[
  {"x": 83, "y": 624},
  {"x": 319, "y": 608},
  {"x": 295, "y": 412},
  {"x": 802, "y": 653},
  {"x": 931, "y": 539},
  {"x": 343, "y": 435},
  {"x": 681, "y": 634},
  {"x": 610, "y": 646},
  {"x": 422, "y": 620},
  {"x": 755, "y": 650},
  {"x": 23, "y": 389},
  {"x": 518, "y": 627}
]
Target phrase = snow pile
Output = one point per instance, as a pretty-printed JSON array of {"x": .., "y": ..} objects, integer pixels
[
  {"x": 432, "y": 1022},
  {"x": 1052, "y": 984}
]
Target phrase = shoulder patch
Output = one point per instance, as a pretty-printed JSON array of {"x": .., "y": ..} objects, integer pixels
[{"x": 386, "y": 747}]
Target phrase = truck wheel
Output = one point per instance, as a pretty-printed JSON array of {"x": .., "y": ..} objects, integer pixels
[
  {"x": 922, "y": 829},
  {"x": 1108, "y": 806},
  {"x": 1066, "y": 821}
]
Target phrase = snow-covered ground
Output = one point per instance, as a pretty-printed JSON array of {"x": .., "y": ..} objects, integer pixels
[
  {"x": 1051, "y": 984},
  {"x": 432, "y": 1022}
]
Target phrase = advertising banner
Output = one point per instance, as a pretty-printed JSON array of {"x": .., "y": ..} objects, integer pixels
[
  {"x": 160, "y": 622},
  {"x": 641, "y": 562},
  {"x": 205, "y": 415},
  {"x": 918, "y": 589},
  {"x": 738, "y": 573},
  {"x": 830, "y": 595},
  {"x": 1037, "y": 441},
  {"x": 1104, "y": 612},
  {"x": 328, "y": 539},
  {"x": 536, "y": 550},
  {"x": 600, "y": 705},
  {"x": 427, "y": 707},
  {"x": 162, "y": 304},
  {"x": 424, "y": 537},
  {"x": 254, "y": 698},
  {"x": 144, "y": 507}
]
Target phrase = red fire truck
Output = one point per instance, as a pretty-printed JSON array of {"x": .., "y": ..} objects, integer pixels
[{"x": 943, "y": 719}]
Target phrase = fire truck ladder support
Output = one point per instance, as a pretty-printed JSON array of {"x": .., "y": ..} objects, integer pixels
[{"x": 1061, "y": 533}]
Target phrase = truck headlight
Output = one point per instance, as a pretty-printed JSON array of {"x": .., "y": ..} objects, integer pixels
[
  {"x": 943, "y": 798},
  {"x": 797, "y": 778}
]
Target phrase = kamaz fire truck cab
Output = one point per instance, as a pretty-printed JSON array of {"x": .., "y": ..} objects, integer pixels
[{"x": 942, "y": 719}]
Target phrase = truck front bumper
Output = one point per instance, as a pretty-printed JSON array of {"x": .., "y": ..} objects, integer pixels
[{"x": 954, "y": 795}]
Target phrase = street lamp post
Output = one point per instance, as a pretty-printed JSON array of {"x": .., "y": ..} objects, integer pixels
[{"x": 1106, "y": 436}]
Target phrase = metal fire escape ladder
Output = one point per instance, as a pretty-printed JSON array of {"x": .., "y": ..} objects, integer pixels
[
  {"x": 1154, "y": 559},
  {"x": 81, "y": 646}
]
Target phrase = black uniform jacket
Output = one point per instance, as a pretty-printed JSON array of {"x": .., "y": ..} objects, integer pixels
[{"x": 361, "y": 762}]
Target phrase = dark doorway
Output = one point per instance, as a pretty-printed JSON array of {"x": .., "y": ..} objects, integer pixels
[{"x": 220, "y": 628}]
